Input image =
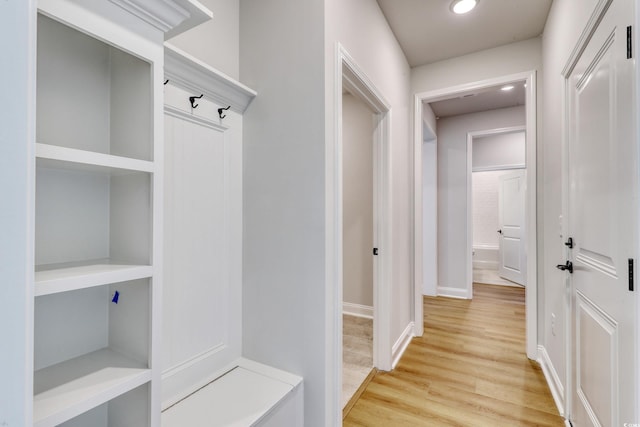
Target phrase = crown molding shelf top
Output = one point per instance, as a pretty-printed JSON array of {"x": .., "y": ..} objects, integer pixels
[{"x": 170, "y": 16}]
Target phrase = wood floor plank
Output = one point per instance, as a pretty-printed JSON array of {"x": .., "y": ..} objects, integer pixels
[{"x": 469, "y": 369}]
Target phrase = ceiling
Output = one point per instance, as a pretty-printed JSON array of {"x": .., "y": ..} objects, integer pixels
[
  {"x": 485, "y": 99},
  {"x": 429, "y": 32}
]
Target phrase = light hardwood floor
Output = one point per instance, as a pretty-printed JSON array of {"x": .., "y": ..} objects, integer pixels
[{"x": 469, "y": 369}]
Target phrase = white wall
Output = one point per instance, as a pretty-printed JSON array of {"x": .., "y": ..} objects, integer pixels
[
  {"x": 357, "y": 223},
  {"x": 487, "y": 64},
  {"x": 17, "y": 137},
  {"x": 564, "y": 25},
  {"x": 429, "y": 214},
  {"x": 501, "y": 150},
  {"x": 284, "y": 302},
  {"x": 452, "y": 189},
  {"x": 374, "y": 48},
  {"x": 217, "y": 41}
]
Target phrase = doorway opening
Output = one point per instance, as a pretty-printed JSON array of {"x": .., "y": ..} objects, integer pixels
[
  {"x": 462, "y": 286},
  {"x": 350, "y": 78},
  {"x": 496, "y": 198},
  {"x": 358, "y": 233}
]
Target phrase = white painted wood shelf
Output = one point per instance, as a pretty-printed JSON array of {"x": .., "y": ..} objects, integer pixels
[
  {"x": 73, "y": 278},
  {"x": 68, "y": 389},
  {"x": 90, "y": 160}
]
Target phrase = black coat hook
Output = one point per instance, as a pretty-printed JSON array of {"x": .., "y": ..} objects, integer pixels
[
  {"x": 192, "y": 100},
  {"x": 220, "y": 110}
]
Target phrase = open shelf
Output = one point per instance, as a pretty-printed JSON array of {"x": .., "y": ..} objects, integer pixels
[
  {"x": 68, "y": 389},
  {"x": 72, "y": 278},
  {"x": 75, "y": 159},
  {"x": 85, "y": 215},
  {"x": 91, "y": 95}
]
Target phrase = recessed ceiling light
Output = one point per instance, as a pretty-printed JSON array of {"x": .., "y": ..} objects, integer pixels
[
  {"x": 507, "y": 88},
  {"x": 463, "y": 6}
]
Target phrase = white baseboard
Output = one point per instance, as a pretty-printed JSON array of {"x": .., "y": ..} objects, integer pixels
[
  {"x": 553, "y": 380},
  {"x": 401, "y": 345},
  {"x": 447, "y": 291},
  {"x": 357, "y": 310}
]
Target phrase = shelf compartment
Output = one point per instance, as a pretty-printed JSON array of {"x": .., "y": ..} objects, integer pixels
[
  {"x": 98, "y": 213},
  {"x": 70, "y": 325},
  {"x": 91, "y": 95},
  {"x": 80, "y": 277},
  {"x": 75, "y": 160},
  {"x": 68, "y": 389}
]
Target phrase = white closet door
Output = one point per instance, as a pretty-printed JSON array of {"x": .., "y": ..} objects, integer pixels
[{"x": 196, "y": 287}]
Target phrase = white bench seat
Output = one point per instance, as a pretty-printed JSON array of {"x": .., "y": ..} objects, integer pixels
[{"x": 249, "y": 394}]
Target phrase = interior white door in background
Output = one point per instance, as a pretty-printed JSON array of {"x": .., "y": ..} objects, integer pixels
[
  {"x": 602, "y": 222},
  {"x": 512, "y": 255}
]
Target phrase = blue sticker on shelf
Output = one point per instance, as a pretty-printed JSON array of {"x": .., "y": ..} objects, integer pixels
[{"x": 115, "y": 297}]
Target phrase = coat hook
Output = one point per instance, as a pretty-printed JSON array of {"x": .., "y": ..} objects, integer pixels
[
  {"x": 192, "y": 99},
  {"x": 166, "y": 81},
  {"x": 220, "y": 110}
]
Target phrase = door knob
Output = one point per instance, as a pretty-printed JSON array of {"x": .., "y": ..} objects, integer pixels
[
  {"x": 500, "y": 231},
  {"x": 568, "y": 266}
]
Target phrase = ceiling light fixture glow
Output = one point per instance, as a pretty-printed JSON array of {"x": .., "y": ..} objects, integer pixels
[
  {"x": 463, "y": 6},
  {"x": 507, "y": 88}
]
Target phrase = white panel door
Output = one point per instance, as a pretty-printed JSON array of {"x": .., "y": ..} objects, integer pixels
[
  {"x": 512, "y": 254},
  {"x": 602, "y": 217}
]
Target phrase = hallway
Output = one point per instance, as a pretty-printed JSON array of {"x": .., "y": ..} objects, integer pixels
[{"x": 469, "y": 369}]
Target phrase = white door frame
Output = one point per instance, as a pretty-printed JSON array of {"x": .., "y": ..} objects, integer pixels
[
  {"x": 357, "y": 82},
  {"x": 470, "y": 137},
  {"x": 530, "y": 203}
]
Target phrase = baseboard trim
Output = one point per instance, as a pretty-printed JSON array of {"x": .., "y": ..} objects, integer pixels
[
  {"x": 446, "y": 291},
  {"x": 357, "y": 310},
  {"x": 553, "y": 380},
  {"x": 401, "y": 344}
]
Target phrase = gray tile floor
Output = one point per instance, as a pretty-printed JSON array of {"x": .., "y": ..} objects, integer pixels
[
  {"x": 357, "y": 354},
  {"x": 491, "y": 277}
]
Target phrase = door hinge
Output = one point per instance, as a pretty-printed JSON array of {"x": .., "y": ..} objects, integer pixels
[
  {"x": 629, "y": 42},
  {"x": 375, "y": 251},
  {"x": 631, "y": 274}
]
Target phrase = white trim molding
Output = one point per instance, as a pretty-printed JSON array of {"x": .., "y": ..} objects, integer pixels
[
  {"x": 553, "y": 379},
  {"x": 451, "y": 292},
  {"x": 347, "y": 72},
  {"x": 358, "y": 310},
  {"x": 401, "y": 344},
  {"x": 191, "y": 74},
  {"x": 172, "y": 17},
  {"x": 530, "y": 203}
]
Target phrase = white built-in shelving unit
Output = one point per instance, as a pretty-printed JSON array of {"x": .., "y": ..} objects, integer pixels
[
  {"x": 205, "y": 379},
  {"x": 98, "y": 209}
]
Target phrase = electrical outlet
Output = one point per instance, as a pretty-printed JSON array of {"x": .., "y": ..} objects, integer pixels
[{"x": 553, "y": 324}]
